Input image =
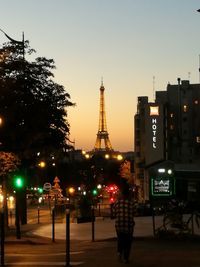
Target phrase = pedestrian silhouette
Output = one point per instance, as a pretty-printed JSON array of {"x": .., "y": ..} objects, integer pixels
[{"x": 123, "y": 211}]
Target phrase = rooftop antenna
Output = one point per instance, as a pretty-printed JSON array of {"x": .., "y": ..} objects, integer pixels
[
  {"x": 101, "y": 81},
  {"x": 153, "y": 88}
]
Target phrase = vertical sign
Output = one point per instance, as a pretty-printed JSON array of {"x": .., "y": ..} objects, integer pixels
[{"x": 154, "y": 134}]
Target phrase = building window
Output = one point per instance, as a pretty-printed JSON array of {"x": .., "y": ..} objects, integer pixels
[
  {"x": 185, "y": 108},
  {"x": 171, "y": 127},
  {"x": 171, "y": 115},
  {"x": 198, "y": 139}
]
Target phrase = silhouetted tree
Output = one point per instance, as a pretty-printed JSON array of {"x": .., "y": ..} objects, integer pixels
[{"x": 33, "y": 107}]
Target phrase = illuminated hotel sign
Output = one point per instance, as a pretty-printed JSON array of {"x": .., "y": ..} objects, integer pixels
[
  {"x": 154, "y": 128},
  {"x": 153, "y": 133},
  {"x": 154, "y": 110},
  {"x": 162, "y": 186}
]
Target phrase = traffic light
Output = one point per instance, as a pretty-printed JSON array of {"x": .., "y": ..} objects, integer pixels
[
  {"x": 112, "y": 200},
  {"x": 40, "y": 190},
  {"x": 94, "y": 192},
  {"x": 112, "y": 188},
  {"x": 18, "y": 182}
]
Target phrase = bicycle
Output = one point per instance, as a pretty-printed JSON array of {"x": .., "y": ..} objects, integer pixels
[{"x": 173, "y": 220}]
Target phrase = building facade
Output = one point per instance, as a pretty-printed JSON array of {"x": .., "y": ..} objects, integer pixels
[{"x": 167, "y": 137}]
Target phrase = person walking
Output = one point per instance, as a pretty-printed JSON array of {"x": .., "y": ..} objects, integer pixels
[{"x": 123, "y": 211}]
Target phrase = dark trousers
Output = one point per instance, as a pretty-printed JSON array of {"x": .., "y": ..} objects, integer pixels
[{"x": 124, "y": 241}]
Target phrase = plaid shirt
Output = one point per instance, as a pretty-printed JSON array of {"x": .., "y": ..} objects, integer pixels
[{"x": 123, "y": 211}]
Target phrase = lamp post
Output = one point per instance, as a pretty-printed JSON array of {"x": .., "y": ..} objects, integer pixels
[{"x": 16, "y": 42}]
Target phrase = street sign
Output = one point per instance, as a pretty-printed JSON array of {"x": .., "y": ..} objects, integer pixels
[{"x": 47, "y": 187}]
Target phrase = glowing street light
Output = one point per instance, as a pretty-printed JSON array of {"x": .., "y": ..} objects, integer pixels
[
  {"x": 107, "y": 156},
  {"x": 119, "y": 157},
  {"x": 71, "y": 190},
  {"x": 42, "y": 164}
]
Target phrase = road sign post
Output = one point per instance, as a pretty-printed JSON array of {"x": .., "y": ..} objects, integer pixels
[{"x": 19, "y": 182}]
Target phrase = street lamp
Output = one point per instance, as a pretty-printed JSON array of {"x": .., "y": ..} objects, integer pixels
[
  {"x": 119, "y": 157},
  {"x": 15, "y": 41},
  {"x": 42, "y": 164},
  {"x": 107, "y": 156}
]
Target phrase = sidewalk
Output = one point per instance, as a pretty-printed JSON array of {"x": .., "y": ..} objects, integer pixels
[
  {"x": 103, "y": 229},
  {"x": 37, "y": 249}
]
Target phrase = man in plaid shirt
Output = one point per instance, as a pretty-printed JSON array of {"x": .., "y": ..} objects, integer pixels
[{"x": 123, "y": 211}]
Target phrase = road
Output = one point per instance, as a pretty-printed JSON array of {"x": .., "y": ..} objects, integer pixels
[{"x": 36, "y": 248}]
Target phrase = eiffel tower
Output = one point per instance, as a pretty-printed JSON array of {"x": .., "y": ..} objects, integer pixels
[{"x": 102, "y": 134}]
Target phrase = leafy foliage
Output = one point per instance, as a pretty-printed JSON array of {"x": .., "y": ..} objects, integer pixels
[
  {"x": 8, "y": 163},
  {"x": 33, "y": 106}
]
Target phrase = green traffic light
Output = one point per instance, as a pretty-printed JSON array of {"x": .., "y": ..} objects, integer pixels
[
  {"x": 40, "y": 190},
  {"x": 94, "y": 192},
  {"x": 19, "y": 182}
]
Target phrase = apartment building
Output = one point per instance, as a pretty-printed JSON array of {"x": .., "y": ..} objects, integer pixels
[{"x": 167, "y": 142}]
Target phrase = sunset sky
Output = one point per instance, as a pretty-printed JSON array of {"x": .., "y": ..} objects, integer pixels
[{"x": 127, "y": 42}]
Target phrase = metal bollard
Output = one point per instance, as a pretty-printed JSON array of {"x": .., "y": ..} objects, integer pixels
[
  {"x": 93, "y": 226},
  {"x": 38, "y": 214},
  {"x": 17, "y": 216},
  {"x": 67, "y": 237},
  {"x": 53, "y": 224}
]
